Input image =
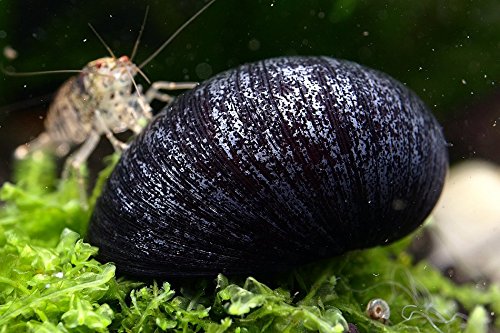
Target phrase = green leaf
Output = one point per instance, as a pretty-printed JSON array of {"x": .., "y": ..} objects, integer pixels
[
  {"x": 478, "y": 321},
  {"x": 83, "y": 313},
  {"x": 45, "y": 327}
]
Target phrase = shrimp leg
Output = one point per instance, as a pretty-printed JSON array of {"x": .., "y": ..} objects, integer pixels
[
  {"x": 154, "y": 91},
  {"x": 77, "y": 159}
]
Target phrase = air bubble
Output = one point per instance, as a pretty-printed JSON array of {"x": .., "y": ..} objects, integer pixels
[{"x": 254, "y": 44}]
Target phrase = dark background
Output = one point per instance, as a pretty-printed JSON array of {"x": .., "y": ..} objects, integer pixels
[{"x": 447, "y": 51}]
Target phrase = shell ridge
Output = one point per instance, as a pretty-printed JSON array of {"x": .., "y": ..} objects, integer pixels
[{"x": 288, "y": 138}]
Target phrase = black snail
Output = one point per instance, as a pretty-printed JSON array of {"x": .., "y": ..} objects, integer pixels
[{"x": 270, "y": 165}]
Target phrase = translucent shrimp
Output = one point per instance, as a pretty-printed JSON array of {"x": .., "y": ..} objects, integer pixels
[{"x": 102, "y": 99}]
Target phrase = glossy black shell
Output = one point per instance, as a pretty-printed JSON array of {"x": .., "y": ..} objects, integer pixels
[{"x": 270, "y": 165}]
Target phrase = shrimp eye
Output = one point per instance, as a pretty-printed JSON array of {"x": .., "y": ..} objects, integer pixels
[{"x": 98, "y": 65}]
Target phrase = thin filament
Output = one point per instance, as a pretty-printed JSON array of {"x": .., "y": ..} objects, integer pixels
[
  {"x": 178, "y": 31},
  {"x": 136, "y": 45},
  {"x": 102, "y": 41},
  {"x": 10, "y": 73}
]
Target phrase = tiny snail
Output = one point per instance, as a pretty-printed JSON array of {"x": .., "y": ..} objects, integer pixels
[
  {"x": 270, "y": 165},
  {"x": 378, "y": 309}
]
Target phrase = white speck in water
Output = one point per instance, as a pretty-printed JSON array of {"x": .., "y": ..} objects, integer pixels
[
  {"x": 25, "y": 86},
  {"x": 376, "y": 274},
  {"x": 366, "y": 33},
  {"x": 59, "y": 275},
  {"x": 480, "y": 286},
  {"x": 47, "y": 286},
  {"x": 464, "y": 82},
  {"x": 85, "y": 40}
]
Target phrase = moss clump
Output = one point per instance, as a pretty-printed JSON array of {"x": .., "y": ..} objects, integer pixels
[{"x": 50, "y": 282}]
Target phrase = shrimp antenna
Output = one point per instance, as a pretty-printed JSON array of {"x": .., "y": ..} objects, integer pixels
[
  {"x": 178, "y": 31},
  {"x": 137, "y": 89},
  {"x": 11, "y": 73},
  {"x": 136, "y": 45},
  {"x": 102, "y": 41},
  {"x": 141, "y": 73}
]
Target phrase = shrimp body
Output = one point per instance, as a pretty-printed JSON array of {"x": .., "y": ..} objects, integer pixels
[{"x": 100, "y": 100}]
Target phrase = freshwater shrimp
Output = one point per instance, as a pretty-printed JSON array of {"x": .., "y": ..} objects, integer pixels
[{"x": 102, "y": 99}]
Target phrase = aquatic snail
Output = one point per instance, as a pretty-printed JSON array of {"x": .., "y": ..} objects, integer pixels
[
  {"x": 378, "y": 309},
  {"x": 270, "y": 165}
]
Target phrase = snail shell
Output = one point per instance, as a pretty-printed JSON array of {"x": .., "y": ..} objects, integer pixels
[
  {"x": 378, "y": 309},
  {"x": 270, "y": 165}
]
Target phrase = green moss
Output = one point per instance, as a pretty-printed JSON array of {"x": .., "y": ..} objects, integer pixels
[{"x": 49, "y": 281}]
